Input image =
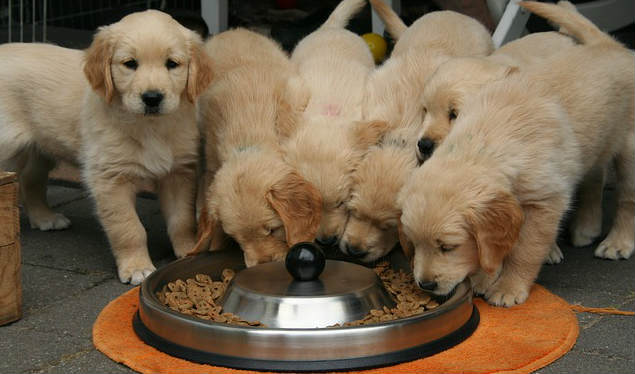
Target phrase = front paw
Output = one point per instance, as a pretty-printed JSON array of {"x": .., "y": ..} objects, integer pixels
[
  {"x": 49, "y": 221},
  {"x": 615, "y": 248},
  {"x": 482, "y": 281},
  {"x": 183, "y": 248},
  {"x": 555, "y": 255},
  {"x": 507, "y": 294},
  {"x": 135, "y": 271}
]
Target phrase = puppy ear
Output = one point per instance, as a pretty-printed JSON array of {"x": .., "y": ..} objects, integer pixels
[
  {"x": 368, "y": 133},
  {"x": 200, "y": 71},
  {"x": 299, "y": 205},
  {"x": 496, "y": 228},
  {"x": 207, "y": 233},
  {"x": 291, "y": 104},
  {"x": 97, "y": 60},
  {"x": 406, "y": 245}
]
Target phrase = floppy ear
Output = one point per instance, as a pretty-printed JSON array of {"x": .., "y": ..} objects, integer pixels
[
  {"x": 299, "y": 205},
  {"x": 496, "y": 228},
  {"x": 200, "y": 71},
  {"x": 291, "y": 104},
  {"x": 367, "y": 133},
  {"x": 208, "y": 233},
  {"x": 97, "y": 60},
  {"x": 406, "y": 245}
]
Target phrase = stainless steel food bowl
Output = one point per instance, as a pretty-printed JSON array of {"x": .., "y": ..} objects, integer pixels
[{"x": 343, "y": 291}]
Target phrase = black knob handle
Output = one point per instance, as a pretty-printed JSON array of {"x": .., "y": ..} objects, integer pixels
[{"x": 305, "y": 261}]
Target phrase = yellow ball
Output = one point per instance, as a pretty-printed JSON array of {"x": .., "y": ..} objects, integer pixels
[{"x": 377, "y": 46}]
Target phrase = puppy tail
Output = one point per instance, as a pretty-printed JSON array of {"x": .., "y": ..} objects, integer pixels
[
  {"x": 393, "y": 23},
  {"x": 570, "y": 21},
  {"x": 344, "y": 11}
]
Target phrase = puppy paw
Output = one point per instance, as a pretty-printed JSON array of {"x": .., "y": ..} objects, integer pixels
[
  {"x": 581, "y": 236},
  {"x": 135, "y": 273},
  {"x": 613, "y": 248},
  {"x": 506, "y": 295},
  {"x": 555, "y": 255},
  {"x": 184, "y": 248},
  {"x": 481, "y": 282},
  {"x": 49, "y": 221}
]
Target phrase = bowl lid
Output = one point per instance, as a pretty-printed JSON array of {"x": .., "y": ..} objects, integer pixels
[
  {"x": 267, "y": 293},
  {"x": 338, "y": 277}
]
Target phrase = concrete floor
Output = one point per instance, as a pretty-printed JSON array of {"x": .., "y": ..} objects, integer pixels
[{"x": 69, "y": 276}]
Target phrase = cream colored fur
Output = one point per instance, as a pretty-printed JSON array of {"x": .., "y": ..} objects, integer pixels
[
  {"x": 252, "y": 194},
  {"x": 487, "y": 204},
  {"x": 393, "y": 95},
  {"x": 50, "y": 110},
  {"x": 329, "y": 141}
]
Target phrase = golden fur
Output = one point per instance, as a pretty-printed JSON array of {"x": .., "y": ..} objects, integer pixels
[
  {"x": 50, "y": 110},
  {"x": 455, "y": 81},
  {"x": 487, "y": 204},
  {"x": 330, "y": 138},
  {"x": 252, "y": 194},
  {"x": 393, "y": 95}
]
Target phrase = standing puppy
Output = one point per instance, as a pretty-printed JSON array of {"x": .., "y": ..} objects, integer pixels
[
  {"x": 129, "y": 118},
  {"x": 393, "y": 95},
  {"x": 487, "y": 204},
  {"x": 251, "y": 193},
  {"x": 330, "y": 139}
]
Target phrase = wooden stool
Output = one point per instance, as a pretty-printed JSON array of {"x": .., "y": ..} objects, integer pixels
[{"x": 10, "y": 277}]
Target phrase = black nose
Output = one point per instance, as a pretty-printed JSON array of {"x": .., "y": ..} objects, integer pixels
[
  {"x": 426, "y": 146},
  {"x": 354, "y": 251},
  {"x": 152, "y": 99},
  {"x": 428, "y": 286},
  {"x": 327, "y": 241}
]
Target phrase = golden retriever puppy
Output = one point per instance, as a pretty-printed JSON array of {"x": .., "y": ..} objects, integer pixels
[
  {"x": 128, "y": 118},
  {"x": 371, "y": 229},
  {"x": 394, "y": 89},
  {"x": 487, "y": 204},
  {"x": 453, "y": 82},
  {"x": 392, "y": 95},
  {"x": 458, "y": 79},
  {"x": 330, "y": 138},
  {"x": 252, "y": 193}
]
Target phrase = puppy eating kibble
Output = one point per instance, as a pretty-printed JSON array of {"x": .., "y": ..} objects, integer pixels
[
  {"x": 393, "y": 95},
  {"x": 487, "y": 204},
  {"x": 128, "y": 119},
  {"x": 330, "y": 138},
  {"x": 252, "y": 194}
]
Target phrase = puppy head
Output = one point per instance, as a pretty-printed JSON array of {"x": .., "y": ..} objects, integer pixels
[
  {"x": 149, "y": 62},
  {"x": 264, "y": 205},
  {"x": 458, "y": 223},
  {"x": 371, "y": 230},
  {"x": 326, "y": 153},
  {"x": 446, "y": 91}
]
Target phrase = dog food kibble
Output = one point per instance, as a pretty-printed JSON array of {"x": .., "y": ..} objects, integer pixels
[
  {"x": 199, "y": 296},
  {"x": 409, "y": 298}
]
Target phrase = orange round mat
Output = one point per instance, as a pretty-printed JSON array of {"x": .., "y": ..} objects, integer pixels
[{"x": 520, "y": 339}]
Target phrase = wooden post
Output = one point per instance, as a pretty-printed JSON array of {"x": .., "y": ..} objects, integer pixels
[{"x": 10, "y": 277}]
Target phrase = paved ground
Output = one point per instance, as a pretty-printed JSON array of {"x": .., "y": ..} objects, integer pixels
[{"x": 69, "y": 276}]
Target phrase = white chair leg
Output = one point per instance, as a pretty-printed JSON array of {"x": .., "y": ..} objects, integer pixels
[
  {"x": 511, "y": 25},
  {"x": 215, "y": 12}
]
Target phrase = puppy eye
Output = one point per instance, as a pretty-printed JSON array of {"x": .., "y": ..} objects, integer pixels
[
  {"x": 131, "y": 64},
  {"x": 445, "y": 247},
  {"x": 452, "y": 114},
  {"x": 171, "y": 64}
]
